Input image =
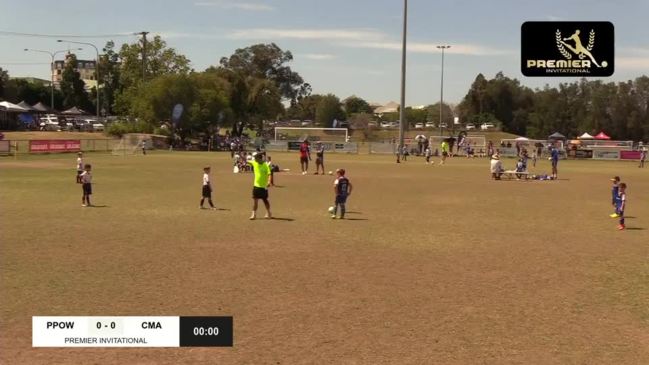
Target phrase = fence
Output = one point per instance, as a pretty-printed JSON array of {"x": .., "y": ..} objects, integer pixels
[
  {"x": 86, "y": 145},
  {"x": 336, "y": 147}
]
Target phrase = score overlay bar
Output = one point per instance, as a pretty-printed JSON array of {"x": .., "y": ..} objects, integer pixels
[{"x": 132, "y": 331}]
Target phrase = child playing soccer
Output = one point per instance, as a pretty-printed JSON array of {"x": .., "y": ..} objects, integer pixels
[
  {"x": 621, "y": 205},
  {"x": 319, "y": 159},
  {"x": 342, "y": 189},
  {"x": 428, "y": 153},
  {"x": 207, "y": 188},
  {"x": 615, "y": 196},
  {"x": 79, "y": 166},
  {"x": 86, "y": 185}
]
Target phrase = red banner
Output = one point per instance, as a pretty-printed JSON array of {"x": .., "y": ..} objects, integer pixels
[
  {"x": 630, "y": 155},
  {"x": 55, "y": 145}
]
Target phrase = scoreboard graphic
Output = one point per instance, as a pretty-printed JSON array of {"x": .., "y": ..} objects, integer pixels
[{"x": 132, "y": 331}]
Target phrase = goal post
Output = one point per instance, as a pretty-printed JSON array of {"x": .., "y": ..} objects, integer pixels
[{"x": 312, "y": 134}]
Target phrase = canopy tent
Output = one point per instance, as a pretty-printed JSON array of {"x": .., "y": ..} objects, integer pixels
[
  {"x": 602, "y": 135},
  {"x": 557, "y": 135},
  {"x": 75, "y": 111},
  {"x": 522, "y": 139},
  {"x": 42, "y": 108},
  {"x": 586, "y": 136},
  {"x": 25, "y": 105},
  {"x": 10, "y": 107}
]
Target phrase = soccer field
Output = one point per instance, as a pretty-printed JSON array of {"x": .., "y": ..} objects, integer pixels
[{"x": 436, "y": 264}]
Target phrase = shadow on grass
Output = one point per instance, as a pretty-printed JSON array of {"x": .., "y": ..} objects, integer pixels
[
  {"x": 282, "y": 219},
  {"x": 98, "y": 206},
  {"x": 635, "y": 229},
  {"x": 355, "y": 219},
  {"x": 353, "y": 213}
]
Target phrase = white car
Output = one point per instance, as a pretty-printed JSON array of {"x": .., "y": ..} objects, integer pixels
[
  {"x": 419, "y": 125},
  {"x": 385, "y": 124},
  {"x": 430, "y": 125},
  {"x": 443, "y": 125},
  {"x": 487, "y": 126},
  {"x": 470, "y": 126},
  {"x": 98, "y": 127}
]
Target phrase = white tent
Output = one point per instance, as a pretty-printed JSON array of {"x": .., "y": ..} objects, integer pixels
[
  {"x": 586, "y": 136},
  {"x": 522, "y": 139},
  {"x": 10, "y": 107}
]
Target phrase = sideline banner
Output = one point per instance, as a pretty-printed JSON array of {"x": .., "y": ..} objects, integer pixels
[
  {"x": 630, "y": 155},
  {"x": 606, "y": 155},
  {"x": 55, "y": 145}
]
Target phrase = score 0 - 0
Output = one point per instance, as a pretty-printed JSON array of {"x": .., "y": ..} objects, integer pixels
[{"x": 105, "y": 326}]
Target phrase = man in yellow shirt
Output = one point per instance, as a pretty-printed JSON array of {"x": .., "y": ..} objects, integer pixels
[
  {"x": 260, "y": 189},
  {"x": 445, "y": 151}
]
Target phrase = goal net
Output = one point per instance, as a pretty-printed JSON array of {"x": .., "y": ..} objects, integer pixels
[
  {"x": 131, "y": 144},
  {"x": 312, "y": 134}
]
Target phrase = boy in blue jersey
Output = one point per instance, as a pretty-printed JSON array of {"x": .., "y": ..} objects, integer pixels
[
  {"x": 554, "y": 157},
  {"x": 621, "y": 205},
  {"x": 342, "y": 190},
  {"x": 615, "y": 195}
]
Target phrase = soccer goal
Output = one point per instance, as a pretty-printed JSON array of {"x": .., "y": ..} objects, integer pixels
[
  {"x": 312, "y": 134},
  {"x": 131, "y": 144}
]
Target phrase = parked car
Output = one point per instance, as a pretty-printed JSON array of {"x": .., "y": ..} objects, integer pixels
[
  {"x": 385, "y": 124},
  {"x": 487, "y": 126},
  {"x": 443, "y": 125},
  {"x": 419, "y": 125},
  {"x": 98, "y": 127},
  {"x": 373, "y": 124},
  {"x": 470, "y": 126},
  {"x": 430, "y": 125},
  {"x": 394, "y": 124}
]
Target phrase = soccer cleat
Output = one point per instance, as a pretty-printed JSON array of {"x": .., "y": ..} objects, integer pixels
[
  {"x": 621, "y": 227},
  {"x": 268, "y": 216},
  {"x": 213, "y": 208},
  {"x": 333, "y": 216},
  {"x": 614, "y": 215},
  {"x": 253, "y": 216},
  {"x": 83, "y": 205}
]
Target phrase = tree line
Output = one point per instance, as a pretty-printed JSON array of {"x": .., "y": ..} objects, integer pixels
[{"x": 256, "y": 84}]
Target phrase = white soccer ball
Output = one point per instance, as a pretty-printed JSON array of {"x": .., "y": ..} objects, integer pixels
[
  {"x": 330, "y": 172},
  {"x": 331, "y": 210}
]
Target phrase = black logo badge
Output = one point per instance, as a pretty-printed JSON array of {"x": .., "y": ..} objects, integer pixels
[{"x": 576, "y": 49}]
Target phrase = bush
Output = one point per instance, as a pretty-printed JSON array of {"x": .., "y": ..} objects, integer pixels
[{"x": 120, "y": 128}]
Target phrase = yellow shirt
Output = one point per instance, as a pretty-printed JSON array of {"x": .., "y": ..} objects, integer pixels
[{"x": 262, "y": 172}]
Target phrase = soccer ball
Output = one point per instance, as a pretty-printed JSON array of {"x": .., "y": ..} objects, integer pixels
[
  {"x": 331, "y": 210},
  {"x": 330, "y": 172}
]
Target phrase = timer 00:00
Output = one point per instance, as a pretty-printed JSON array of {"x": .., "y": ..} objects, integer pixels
[{"x": 209, "y": 331}]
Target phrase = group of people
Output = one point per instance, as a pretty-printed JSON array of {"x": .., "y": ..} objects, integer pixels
[{"x": 497, "y": 169}]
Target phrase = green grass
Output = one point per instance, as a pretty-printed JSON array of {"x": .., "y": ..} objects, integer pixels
[{"x": 437, "y": 263}]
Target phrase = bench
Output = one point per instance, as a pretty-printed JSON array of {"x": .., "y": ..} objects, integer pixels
[{"x": 510, "y": 174}]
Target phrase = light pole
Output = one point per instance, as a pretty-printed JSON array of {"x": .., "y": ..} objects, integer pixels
[
  {"x": 402, "y": 108},
  {"x": 52, "y": 55},
  {"x": 96, "y": 67},
  {"x": 441, "y": 94}
]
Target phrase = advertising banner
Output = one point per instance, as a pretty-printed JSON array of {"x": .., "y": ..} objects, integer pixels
[
  {"x": 630, "y": 155},
  {"x": 55, "y": 145}
]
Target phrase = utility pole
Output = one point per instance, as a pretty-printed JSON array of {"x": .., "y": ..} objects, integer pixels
[
  {"x": 402, "y": 109},
  {"x": 144, "y": 40},
  {"x": 441, "y": 94}
]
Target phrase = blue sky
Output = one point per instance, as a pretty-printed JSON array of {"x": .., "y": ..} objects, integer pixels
[{"x": 343, "y": 47}]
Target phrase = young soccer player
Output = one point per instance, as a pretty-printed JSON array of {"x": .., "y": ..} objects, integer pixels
[
  {"x": 445, "y": 148},
  {"x": 305, "y": 156},
  {"x": 342, "y": 190},
  {"x": 554, "y": 157},
  {"x": 86, "y": 185},
  {"x": 621, "y": 206},
  {"x": 319, "y": 158},
  {"x": 260, "y": 188},
  {"x": 207, "y": 189},
  {"x": 79, "y": 166},
  {"x": 615, "y": 191},
  {"x": 643, "y": 156},
  {"x": 428, "y": 153}
]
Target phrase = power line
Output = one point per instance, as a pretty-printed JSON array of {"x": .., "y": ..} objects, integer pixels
[
  {"x": 36, "y": 35},
  {"x": 24, "y": 63}
]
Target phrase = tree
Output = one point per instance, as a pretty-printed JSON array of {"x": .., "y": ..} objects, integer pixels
[
  {"x": 305, "y": 108},
  {"x": 328, "y": 109},
  {"x": 269, "y": 62},
  {"x": 354, "y": 104},
  {"x": 72, "y": 87},
  {"x": 110, "y": 71},
  {"x": 4, "y": 79},
  {"x": 160, "y": 60}
]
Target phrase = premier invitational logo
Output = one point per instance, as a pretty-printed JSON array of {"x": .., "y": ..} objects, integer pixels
[{"x": 567, "y": 49}]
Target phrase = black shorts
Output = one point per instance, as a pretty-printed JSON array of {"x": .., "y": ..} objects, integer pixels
[
  {"x": 207, "y": 191},
  {"x": 319, "y": 161},
  {"x": 259, "y": 193},
  {"x": 304, "y": 159},
  {"x": 445, "y": 154},
  {"x": 87, "y": 188},
  {"x": 79, "y": 172},
  {"x": 341, "y": 199}
]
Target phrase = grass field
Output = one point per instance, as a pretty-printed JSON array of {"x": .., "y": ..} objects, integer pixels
[{"x": 436, "y": 265}]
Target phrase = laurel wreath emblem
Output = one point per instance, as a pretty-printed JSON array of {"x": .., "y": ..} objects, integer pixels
[{"x": 563, "y": 51}]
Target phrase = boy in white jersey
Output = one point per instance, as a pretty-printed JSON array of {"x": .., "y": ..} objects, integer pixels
[
  {"x": 79, "y": 166},
  {"x": 207, "y": 188},
  {"x": 86, "y": 185}
]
